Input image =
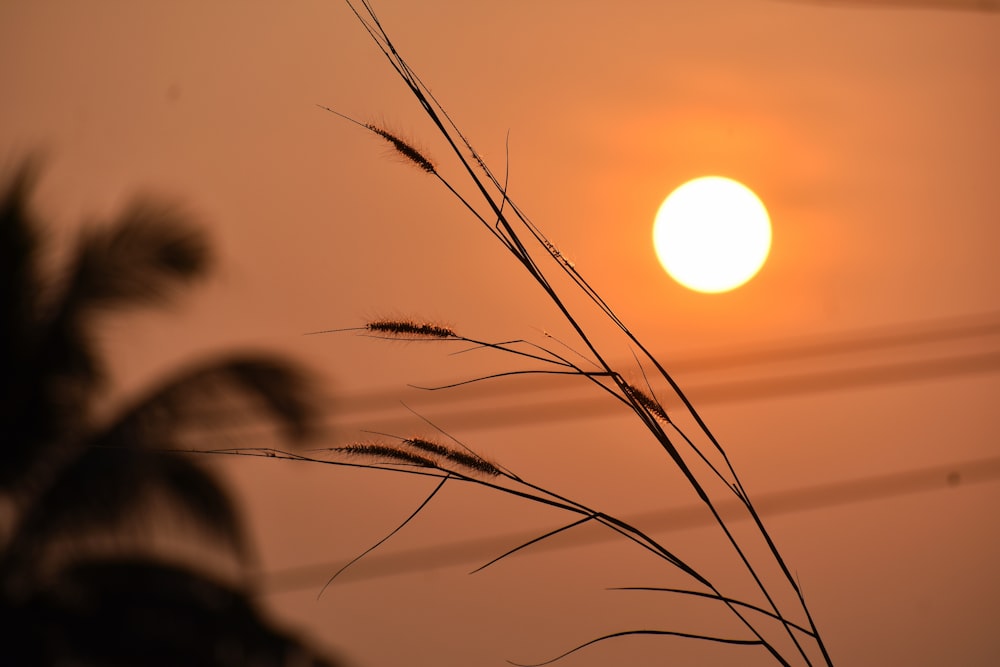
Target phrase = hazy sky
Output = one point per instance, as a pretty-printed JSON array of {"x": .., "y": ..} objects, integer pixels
[{"x": 870, "y": 134}]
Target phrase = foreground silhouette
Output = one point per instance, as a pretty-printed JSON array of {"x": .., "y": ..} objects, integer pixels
[{"x": 82, "y": 580}]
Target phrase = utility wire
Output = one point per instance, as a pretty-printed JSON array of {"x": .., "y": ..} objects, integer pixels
[
  {"x": 962, "y": 330},
  {"x": 881, "y": 339},
  {"x": 473, "y": 552},
  {"x": 946, "y": 5},
  {"x": 959, "y": 330},
  {"x": 534, "y": 412}
]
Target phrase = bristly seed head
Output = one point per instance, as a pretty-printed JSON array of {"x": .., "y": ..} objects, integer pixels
[
  {"x": 427, "y": 446},
  {"x": 410, "y": 328},
  {"x": 466, "y": 460},
  {"x": 380, "y": 451},
  {"x": 648, "y": 402},
  {"x": 472, "y": 462},
  {"x": 403, "y": 148}
]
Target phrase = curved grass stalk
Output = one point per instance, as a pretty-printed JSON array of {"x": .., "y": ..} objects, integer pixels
[
  {"x": 537, "y": 494},
  {"x": 513, "y": 228},
  {"x": 532, "y": 541},
  {"x": 633, "y": 633},
  {"x": 711, "y": 596},
  {"x": 385, "y": 539}
]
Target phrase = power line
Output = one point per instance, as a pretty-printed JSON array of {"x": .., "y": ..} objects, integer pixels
[
  {"x": 957, "y": 330},
  {"x": 534, "y": 412},
  {"x": 822, "y": 496},
  {"x": 946, "y": 5},
  {"x": 943, "y": 330}
]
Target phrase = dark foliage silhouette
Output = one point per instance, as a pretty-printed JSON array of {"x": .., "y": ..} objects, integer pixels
[{"x": 81, "y": 580}]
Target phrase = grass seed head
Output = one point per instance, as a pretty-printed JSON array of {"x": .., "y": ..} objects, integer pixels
[
  {"x": 427, "y": 446},
  {"x": 403, "y": 148},
  {"x": 648, "y": 402},
  {"x": 386, "y": 452},
  {"x": 463, "y": 459},
  {"x": 410, "y": 328},
  {"x": 472, "y": 462}
]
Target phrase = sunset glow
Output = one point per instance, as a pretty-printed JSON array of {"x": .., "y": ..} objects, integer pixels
[
  {"x": 477, "y": 302},
  {"x": 712, "y": 234}
]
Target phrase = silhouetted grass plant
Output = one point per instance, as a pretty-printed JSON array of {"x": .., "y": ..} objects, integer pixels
[{"x": 786, "y": 631}]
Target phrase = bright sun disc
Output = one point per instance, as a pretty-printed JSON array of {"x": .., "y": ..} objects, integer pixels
[{"x": 712, "y": 234}]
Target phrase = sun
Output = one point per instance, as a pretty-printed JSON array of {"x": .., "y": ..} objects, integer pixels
[{"x": 712, "y": 234}]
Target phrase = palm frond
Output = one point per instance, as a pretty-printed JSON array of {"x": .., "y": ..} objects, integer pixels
[
  {"x": 143, "y": 612},
  {"x": 111, "y": 490},
  {"x": 20, "y": 284},
  {"x": 285, "y": 390},
  {"x": 34, "y": 404},
  {"x": 149, "y": 251},
  {"x": 79, "y": 490}
]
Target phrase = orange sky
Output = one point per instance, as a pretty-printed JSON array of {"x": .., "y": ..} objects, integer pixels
[{"x": 870, "y": 134}]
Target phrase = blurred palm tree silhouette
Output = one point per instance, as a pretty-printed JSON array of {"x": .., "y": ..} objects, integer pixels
[{"x": 82, "y": 580}]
